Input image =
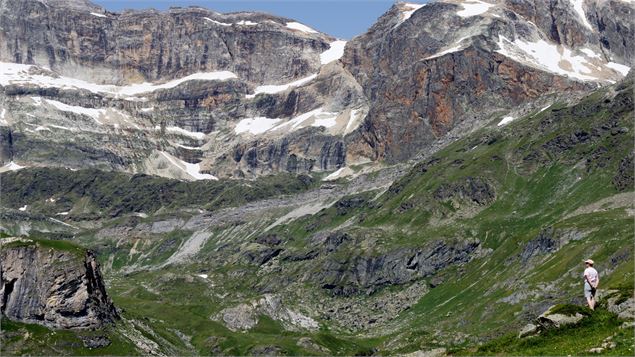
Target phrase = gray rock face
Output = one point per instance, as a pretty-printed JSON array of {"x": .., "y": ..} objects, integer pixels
[
  {"x": 55, "y": 288},
  {"x": 368, "y": 274},
  {"x": 528, "y": 330},
  {"x": 150, "y": 45},
  {"x": 548, "y": 319}
]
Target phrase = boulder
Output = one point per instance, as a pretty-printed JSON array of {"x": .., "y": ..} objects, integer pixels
[
  {"x": 618, "y": 302},
  {"x": 240, "y": 317},
  {"x": 529, "y": 330},
  {"x": 552, "y": 319}
]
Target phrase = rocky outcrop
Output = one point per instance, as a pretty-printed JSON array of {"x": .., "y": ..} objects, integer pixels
[
  {"x": 58, "y": 288},
  {"x": 367, "y": 274},
  {"x": 471, "y": 189},
  {"x": 246, "y": 316}
]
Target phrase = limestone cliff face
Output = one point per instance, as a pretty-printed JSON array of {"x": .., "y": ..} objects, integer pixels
[
  {"x": 193, "y": 94},
  {"x": 82, "y": 40},
  {"x": 52, "y": 287}
]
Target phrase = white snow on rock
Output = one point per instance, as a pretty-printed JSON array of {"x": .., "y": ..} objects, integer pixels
[
  {"x": 12, "y": 166},
  {"x": 619, "y": 67},
  {"x": 341, "y": 172},
  {"x": 14, "y": 73},
  {"x": 62, "y": 214},
  {"x": 97, "y": 14},
  {"x": 577, "y": 6},
  {"x": 407, "y": 9},
  {"x": 557, "y": 59},
  {"x": 335, "y": 52},
  {"x": 63, "y": 128},
  {"x": 590, "y": 53},
  {"x": 145, "y": 110},
  {"x": 204, "y": 276},
  {"x": 325, "y": 119},
  {"x": 217, "y": 22},
  {"x": 506, "y": 120},
  {"x": 23, "y": 208},
  {"x": 247, "y": 23},
  {"x": 3, "y": 113},
  {"x": 193, "y": 170},
  {"x": 260, "y": 125},
  {"x": 456, "y": 47},
  {"x": 181, "y": 131},
  {"x": 150, "y": 87},
  {"x": 353, "y": 121},
  {"x": 255, "y": 126},
  {"x": 473, "y": 8},
  {"x": 277, "y": 88},
  {"x": 300, "y": 27},
  {"x": 91, "y": 112}
]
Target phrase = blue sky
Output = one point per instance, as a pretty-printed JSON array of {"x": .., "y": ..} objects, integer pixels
[{"x": 340, "y": 18}]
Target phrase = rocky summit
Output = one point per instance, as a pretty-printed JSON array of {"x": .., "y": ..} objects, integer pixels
[{"x": 252, "y": 186}]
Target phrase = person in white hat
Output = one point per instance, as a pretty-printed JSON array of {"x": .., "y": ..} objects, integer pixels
[{"x": 591, "y": 281}]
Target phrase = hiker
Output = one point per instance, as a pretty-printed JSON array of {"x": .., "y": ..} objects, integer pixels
[{"x": 591, "y": 281}]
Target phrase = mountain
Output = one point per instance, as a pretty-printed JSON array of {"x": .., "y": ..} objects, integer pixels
[
  {"x": 480, "y": 151},
  {"x": 194, "y": 94}
]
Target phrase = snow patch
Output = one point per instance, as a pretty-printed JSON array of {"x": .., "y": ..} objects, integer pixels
[
  {"x": 457, "y": 46},
  {"x": 23, "y": 208},
  {"x": 204, "y": 276},
  {"x": 325, "y": 119},
  {"x": 3, "y": 112},
  {"x": 407, "y": 10},
  {"x": 91, "y": 112},
  {"x": 577, "y": 6},
  {"x": 473, "y": 8},
  {"x": 193, "y": 170},
  {"x": 14, "y": 73},
  {"x": 300, "y": 27},
  {"x": 62, "y": 214},
  {"x": 63, "y": 127},
  {"x": 145, "y": 110},
  {"x": 135, "y": 89},
  {"x": 181, "y": 131},
  {"x": 255, "y": 126},
  {"x": 277, "y": 88},
  {"x": 553, "y": 58},
  {"x": 247, "y": 23},
  {"x": 97, "y": 14},
  {"x": 335, "y": 52},
  {"x": 341, "y": 172},
  {"x": 590, "y": 53},
  {"x": 353, "y": 121},
  {"x": 506, "y": 120},
  {"x": 619, "y": 68},
  {"x": 11, "y": 166},
  {"x": 217, "y": 22}
]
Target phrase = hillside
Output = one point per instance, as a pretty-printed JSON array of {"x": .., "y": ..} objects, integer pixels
[{"x": 471, "y": 242}]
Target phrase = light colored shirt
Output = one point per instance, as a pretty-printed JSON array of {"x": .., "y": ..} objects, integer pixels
[{"x": 591, "y": 274}]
